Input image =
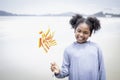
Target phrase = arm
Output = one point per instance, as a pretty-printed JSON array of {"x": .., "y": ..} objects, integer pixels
[
  {"x": 102, "y": 75},
  {"x": 65, "y": 66}
]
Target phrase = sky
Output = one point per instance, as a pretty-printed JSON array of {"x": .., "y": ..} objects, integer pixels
[{"x": 58, "y": 6}]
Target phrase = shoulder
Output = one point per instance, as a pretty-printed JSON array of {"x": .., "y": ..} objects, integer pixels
[
  {"x": 93, "y": 44},
  {"x": 69, "y": 48}
]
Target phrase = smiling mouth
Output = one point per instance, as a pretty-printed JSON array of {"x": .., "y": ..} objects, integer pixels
[{"x": 80, "y": 38}]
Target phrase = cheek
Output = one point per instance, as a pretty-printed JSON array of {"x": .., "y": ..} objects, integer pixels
[
  {"x": 87, "y": 36},
  {"x": 75, "y": 34}
]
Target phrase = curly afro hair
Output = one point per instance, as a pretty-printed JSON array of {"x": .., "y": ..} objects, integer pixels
[{"x": 92, "y": 22}]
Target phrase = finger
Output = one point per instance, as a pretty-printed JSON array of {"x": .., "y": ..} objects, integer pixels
[
  {"x": 52, "y": 70},
  {"x": 53, "y": 67},
  {"x": 53, "y": 63}
]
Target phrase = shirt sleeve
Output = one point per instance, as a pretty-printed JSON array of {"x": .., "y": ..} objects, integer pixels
[
  {"x": 64, "y": 72},
  {"x": 102, "y": 74}
]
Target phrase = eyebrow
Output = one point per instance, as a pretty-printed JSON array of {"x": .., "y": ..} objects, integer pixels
[{"x": 85, "y": 30}]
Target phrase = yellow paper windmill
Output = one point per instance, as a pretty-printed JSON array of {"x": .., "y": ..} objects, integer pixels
[{"x": 46, "y": 40}]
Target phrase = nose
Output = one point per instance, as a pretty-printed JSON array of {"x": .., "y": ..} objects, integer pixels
[{"x": 81, "y": 34}]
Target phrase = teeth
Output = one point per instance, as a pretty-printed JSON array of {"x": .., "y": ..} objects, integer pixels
[{"x": 80, "y": 38}]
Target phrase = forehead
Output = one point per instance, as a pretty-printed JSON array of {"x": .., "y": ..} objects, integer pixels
[{"x": 83, "y": 26}]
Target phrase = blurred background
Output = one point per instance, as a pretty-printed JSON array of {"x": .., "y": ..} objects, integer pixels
[{"x": 21, "y": 21}]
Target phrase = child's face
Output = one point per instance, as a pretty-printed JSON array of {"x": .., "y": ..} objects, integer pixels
[{"x": 82, "y": 33}]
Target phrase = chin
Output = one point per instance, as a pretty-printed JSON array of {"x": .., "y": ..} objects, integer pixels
[{"x": 81, "y": 41}]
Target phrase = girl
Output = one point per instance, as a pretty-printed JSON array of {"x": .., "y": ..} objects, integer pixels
[{"x": 82, "y": 59}]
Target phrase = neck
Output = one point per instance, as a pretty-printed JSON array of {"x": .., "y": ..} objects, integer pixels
[{"x": 81, "y": 42}]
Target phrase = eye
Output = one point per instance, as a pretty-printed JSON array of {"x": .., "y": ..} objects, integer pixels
[
  {"x": 86, "y": 32},
  {"x": 79, "y": 31}
]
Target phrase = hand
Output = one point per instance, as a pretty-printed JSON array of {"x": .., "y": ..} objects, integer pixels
[{"x": 55, "y": 68}]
